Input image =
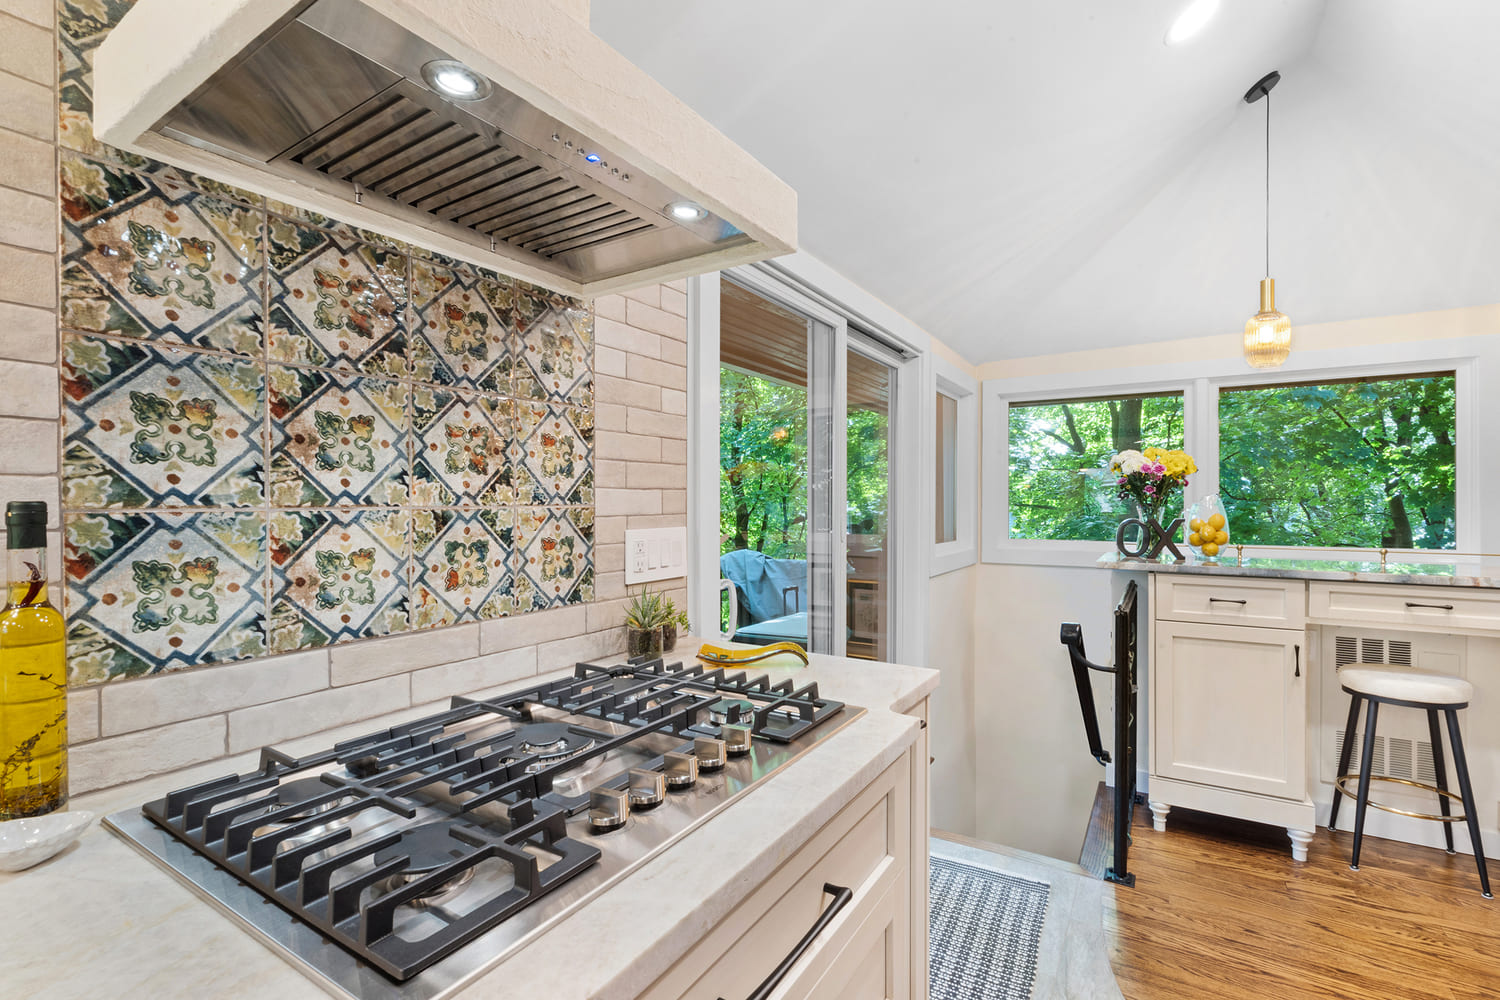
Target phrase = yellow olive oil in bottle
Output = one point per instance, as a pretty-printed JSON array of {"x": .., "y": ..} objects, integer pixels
[{"x": 33, "y": 675}]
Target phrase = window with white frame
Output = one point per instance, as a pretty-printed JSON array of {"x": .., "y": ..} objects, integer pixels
[
  {"x": 1334, "y": 459},
  {"x": 1058, "y": 452},
  {"x": 956, "y": 463},
  {"x": 1362, "y": 463}
]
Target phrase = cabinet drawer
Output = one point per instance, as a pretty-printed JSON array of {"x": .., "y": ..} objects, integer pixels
[
  {"x": 1231, "y": 601},
  {"x": 865, "y": 847},
  {"x": 1438, "y": 608},
  {"x": 864, "y": 961}
]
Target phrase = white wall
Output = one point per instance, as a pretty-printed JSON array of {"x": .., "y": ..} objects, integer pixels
[
  {"x": 950, "y": 649},
  {"x": 1035, "y": 780}
]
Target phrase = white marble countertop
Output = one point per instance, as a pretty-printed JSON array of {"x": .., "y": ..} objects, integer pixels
[
  {"x": 100, "y": 920},
  {"x": 1474, "y": 573}
]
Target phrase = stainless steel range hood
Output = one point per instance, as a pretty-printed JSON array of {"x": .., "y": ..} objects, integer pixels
[{"x": 566, "y": 165}]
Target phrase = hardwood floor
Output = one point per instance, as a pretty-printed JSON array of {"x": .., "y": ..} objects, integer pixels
[{"x": 1219, "y": 910}]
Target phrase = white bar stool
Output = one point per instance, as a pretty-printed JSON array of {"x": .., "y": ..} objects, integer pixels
[{"x": 1383, "y": 684}]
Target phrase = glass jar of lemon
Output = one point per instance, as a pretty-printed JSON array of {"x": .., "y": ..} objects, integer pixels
[{"x": 1208, "y": 527}]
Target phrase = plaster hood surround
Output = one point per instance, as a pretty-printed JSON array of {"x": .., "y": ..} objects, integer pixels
[{"x": 323, "y": 104}]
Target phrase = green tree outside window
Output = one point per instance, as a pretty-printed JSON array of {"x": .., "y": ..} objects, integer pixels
[
  {"x": 1059, "y": 488},
  {"x": 1366, "y": 463}
]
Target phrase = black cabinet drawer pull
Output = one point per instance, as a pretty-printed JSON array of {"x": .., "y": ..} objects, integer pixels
[
  {"x": 1419, "y": 604},
  {"x": 1227, "y": 600},
  {"x": 841, "y": 897},
  {"x": 1297, "y": 659}
]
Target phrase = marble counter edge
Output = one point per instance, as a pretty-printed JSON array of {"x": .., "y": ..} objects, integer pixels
[{"x": 1489, "y": 580}]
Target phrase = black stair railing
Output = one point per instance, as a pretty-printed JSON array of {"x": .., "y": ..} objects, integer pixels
[{"x": 1124, "y": 671}]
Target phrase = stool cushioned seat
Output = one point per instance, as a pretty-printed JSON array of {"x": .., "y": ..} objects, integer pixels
[{"x": 1405, "y": 684}]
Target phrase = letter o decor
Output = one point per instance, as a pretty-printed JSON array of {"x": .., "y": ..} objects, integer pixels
[{"x": 1153, "y": 538}]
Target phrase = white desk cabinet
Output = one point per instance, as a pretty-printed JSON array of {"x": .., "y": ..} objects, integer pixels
[{"x": 1229, "y": 704}]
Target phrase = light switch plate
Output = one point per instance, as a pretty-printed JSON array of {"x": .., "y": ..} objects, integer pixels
[{"x": 655, "y": 554}]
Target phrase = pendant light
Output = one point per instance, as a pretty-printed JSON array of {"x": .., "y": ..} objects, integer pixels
[{"x": 1268, "y": 334}]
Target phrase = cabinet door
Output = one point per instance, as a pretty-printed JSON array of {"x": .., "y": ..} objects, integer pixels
[{"x": 1231, "y": 708}]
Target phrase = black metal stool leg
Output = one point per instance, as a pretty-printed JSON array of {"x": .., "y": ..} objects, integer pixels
[
  {"x": 1366, "y": 762},
  {"x": 1461, "y": 767},
  {"x": 1439, "y": 768},
  {"x": 1345, "y": 752}
]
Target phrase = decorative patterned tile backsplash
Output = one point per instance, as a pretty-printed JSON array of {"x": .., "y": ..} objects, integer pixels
[{"x": 283, "y": 432}]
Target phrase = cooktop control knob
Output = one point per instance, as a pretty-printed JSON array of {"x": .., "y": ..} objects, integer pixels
[
  {"x": 609, "y": 808},
  {"x": 736, "y": 739},
  {"x": 681, "y": 770},
  {"x": 647, "y": 788},
  {"x": 710, "y": 753}
]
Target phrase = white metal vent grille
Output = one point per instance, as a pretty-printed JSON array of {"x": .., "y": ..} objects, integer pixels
[
  {"x": 1425, "y": 771},
  {"x": 1364, "y": 649},
  {"x": 1377, "y": 764},
  {"x": 1394, "y": 757}
]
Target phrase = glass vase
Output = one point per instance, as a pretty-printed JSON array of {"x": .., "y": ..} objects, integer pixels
[{"x": 1211, "y": 548}]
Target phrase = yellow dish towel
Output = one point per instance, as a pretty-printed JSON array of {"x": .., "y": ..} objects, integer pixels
[{"x": 734, "y": 657}]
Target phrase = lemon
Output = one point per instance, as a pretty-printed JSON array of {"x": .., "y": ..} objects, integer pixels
[
  {"x": 1195, "y": 539},
  {"x": 1196, "y": 524},
  {"x": 1216, "y": 521},
  {"x": 1210, "y": 549},
  {"x": 1220, "y": 537}
]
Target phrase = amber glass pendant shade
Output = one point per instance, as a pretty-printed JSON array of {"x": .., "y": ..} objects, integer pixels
[{"x": 1268, "y": 334}]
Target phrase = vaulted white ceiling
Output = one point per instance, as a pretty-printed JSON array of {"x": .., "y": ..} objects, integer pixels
[{"x": 1032, "y": 177}]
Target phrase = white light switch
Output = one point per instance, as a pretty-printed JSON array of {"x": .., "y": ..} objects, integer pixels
[{"x": 655, "y": 554}]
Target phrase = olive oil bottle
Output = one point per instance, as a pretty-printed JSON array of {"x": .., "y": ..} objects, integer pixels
[{"x": 33, "y": 675}]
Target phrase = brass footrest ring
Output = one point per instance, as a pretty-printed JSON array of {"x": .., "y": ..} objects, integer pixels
[{"x": 1340, "y": 785}]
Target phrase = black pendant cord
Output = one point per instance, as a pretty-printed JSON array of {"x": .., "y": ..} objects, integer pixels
[{"x": 1268, "y": 184}]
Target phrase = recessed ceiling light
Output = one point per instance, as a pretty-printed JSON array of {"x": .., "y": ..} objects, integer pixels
[
  {"x": 686, "y": 211},
  {"x": 1193, "y": 19},
  {"x": 455, "y": 80}
]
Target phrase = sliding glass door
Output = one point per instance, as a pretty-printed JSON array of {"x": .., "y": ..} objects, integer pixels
[
  {"x": 869, "y": 494},
  {"x": 765, "y": 376},
  {"x": 805, "y": 427}
]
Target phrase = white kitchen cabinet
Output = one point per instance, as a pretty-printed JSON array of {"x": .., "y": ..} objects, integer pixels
[
  {"x": 867, "y": 847},
  {"x": 1229, "y": 713},
  {"x": 1231, "y": 707}
]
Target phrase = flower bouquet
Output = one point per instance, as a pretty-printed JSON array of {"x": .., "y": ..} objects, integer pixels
[{"x": 1150, "y": 479}]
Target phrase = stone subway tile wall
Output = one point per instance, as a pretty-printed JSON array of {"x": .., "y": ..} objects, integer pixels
[{"x": 300, "y": 473}]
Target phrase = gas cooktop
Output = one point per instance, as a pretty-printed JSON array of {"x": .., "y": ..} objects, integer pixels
[{"x": 408, "y": 861}]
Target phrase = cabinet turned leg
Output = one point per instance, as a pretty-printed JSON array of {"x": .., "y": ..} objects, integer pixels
[
  {"x": 1159, "y": 812},
  {"x": 1300, "y": 840}
]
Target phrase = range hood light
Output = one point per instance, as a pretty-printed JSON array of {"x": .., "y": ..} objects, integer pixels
[
  {"x": 686, "y": 211},
  {"x": 454, "y": 79}
]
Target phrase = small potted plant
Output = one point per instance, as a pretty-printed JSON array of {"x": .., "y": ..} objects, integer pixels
[
  {"x": 675, "y": 622},
  {"x": 645, "y": 617}
]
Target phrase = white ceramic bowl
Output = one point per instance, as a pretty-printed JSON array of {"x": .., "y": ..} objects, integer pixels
[{"x": 27, "y": 842}]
